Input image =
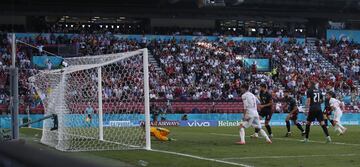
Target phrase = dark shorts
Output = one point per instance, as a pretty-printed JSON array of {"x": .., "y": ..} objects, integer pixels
[
  {"x": 294, "y": 116},
  {"x": 327, "y": 112},
  {"x": 266, "y": 113},
  {"x": 315, "y": 114}
]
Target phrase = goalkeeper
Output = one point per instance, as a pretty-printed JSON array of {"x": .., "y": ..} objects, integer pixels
[
  {"x": 89, "y": 111},
  {"x": 160, "y": 133}
]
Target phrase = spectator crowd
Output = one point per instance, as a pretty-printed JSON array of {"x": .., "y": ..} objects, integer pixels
[{"x": 200, "y": 69}]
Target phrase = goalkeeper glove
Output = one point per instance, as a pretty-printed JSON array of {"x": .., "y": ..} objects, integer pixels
[{"x": 171, "y": 139}]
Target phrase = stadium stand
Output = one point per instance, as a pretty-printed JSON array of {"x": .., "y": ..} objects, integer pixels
[{"x": 186, "y": 64}]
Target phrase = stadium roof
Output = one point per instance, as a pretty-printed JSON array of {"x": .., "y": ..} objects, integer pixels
[{"x": 331, "y": 9}]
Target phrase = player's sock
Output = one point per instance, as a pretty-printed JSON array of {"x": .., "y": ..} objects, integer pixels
[
  {"x": 268, "y": 128},
  {"x": 328, "y": 139},
  {"x": 337, "y": 128},
  {"x": 288, "y": 125},
  {"x": 263, "y": 133},
  {"x": 298, "y": 125},
  {"x": 307, "y": 130},
  {"x": 325, "y": 130},
  {"x": 255, "y": 135},
  {"x": 326, "y": 122},
  {"x": 305, "y": 140},
  {"x": 342, "y": 127},
  {"x": 242, "y": 134}
]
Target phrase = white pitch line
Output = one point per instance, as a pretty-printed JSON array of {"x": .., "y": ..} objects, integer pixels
[
  {"x": 93, "y": 138},
  {"x": 202, "y": 158},
  {"x": 290, "y": 156},
  {"x": 33, "y": 128},
  {"x": 289, "y": 139},
  {"x": 195, "y": 157}
]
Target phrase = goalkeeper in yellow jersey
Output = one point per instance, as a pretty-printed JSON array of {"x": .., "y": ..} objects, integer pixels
[{"x": 160, "y": 133}]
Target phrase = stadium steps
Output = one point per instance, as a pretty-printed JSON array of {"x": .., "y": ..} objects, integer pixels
[
  {"x": 311, "y": 41},
  {"x": 153, "y": 61},
  {"x": 324, "y": 63}
]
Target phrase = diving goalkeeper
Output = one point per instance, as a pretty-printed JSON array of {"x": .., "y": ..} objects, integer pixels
[{"x": 160, "y": 133}]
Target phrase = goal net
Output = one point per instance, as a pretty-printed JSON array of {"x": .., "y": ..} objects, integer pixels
[{"x": 101, "y": 102}]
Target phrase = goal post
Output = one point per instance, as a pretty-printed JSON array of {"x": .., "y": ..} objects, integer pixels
[
  {"x": 101, "y": 124},
  {"x": 147, "y": 99},
  {"x": 101, "y": 102}
]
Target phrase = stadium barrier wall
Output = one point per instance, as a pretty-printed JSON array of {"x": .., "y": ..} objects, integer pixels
[
  {"x": 41, "y": 61},
  {"x": 261, "y": 64},
  {"x": 350, "y": 35},
  {"x": 194, "y": 120}
]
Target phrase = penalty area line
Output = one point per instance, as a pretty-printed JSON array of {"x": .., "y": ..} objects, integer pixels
[
  {"x": 289, "y": 139},
  {"x": 201, "y": 158}
]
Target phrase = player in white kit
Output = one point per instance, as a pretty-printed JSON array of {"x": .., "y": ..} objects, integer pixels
[
  {"x": 251, "y": 116},
  {"x": 336, "y": 107}
]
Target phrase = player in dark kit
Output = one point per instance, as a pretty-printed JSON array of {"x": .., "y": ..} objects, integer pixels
[
  {"x": 314, "y": 100},
  {"x": 327, "y": 112},
  {"x": 265, "y": 108},
  {"x": 293, "y": 113}
]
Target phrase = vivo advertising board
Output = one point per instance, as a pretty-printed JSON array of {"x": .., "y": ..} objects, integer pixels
[{"x": 199, "y": 123}]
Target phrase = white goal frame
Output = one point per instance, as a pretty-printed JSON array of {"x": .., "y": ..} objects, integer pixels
[{"x": 116, "y": 57}]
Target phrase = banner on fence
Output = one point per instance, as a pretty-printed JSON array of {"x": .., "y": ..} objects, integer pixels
[{"x": 199, "y": 123}]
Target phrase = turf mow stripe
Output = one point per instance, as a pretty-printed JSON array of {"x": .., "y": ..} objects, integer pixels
[
  {"x": 291, "y": 156},
  {"x": 289, "y": 139}
]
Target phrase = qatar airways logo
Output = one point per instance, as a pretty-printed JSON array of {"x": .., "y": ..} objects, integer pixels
[
  {"x": 162, "y": 123},
  {"x": 121, "y": 124}
]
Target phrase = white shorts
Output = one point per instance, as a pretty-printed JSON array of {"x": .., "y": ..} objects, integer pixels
[
  {"x": 337, "y": 116},
  {"x": 252, "y": 121}
]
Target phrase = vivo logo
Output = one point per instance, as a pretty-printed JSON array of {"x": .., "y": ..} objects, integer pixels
[{"x": 199, "y": 124}]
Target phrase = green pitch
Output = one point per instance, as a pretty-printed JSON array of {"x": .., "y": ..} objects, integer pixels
[{"x": 212, "y": 144}]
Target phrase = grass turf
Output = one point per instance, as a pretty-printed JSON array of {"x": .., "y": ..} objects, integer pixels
[{"x": 218, "y": 143}]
